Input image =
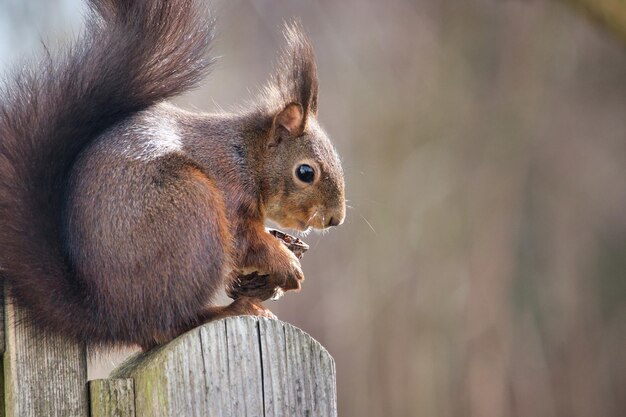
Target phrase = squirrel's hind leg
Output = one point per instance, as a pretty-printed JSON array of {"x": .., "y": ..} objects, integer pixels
[
  {"x": 243, "y": 306},
  {"x": 153, "y": 251}
]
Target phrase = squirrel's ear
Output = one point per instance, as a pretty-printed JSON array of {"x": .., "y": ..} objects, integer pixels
[
  {"x": 291, "y": 118},
  {"x": 294, "y": 84},
  {"x": 297, "y": 71}
]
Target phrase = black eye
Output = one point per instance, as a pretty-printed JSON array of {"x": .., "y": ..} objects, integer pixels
[{"x": 305, "y": 173}]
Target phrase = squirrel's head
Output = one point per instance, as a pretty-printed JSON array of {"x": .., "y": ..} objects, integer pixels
[{"x": 303, "y": 180}]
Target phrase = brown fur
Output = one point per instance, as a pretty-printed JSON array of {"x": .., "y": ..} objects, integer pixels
[{"x": 121, "y": 215}]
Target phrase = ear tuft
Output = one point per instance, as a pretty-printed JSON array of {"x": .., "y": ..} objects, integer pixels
[
  {"x": 292, "y": 119},
  {"x": 297, "y": 69},
  {"x": 295, "y": 77}
]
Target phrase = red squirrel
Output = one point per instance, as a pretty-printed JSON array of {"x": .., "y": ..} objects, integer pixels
[{"x": 121, "y": 215}]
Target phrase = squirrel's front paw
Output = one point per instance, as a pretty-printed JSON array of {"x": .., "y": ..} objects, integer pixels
[
  {"x": 279, "y": 267},
  {"x": 268, "y": 266},
  {"x": 289, "y": 277}
]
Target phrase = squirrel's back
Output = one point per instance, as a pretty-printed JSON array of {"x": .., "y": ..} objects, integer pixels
[{"x": 132, "y": 55}]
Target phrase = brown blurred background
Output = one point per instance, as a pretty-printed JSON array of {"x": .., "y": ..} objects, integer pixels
[{"x": 482, "y": 267}]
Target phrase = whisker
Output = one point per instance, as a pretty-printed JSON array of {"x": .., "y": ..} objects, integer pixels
[
  {"x": 319, "y": 238},
  {"x": 321, "y": 234},
  {"x": 360, "y": 215},
  {"x": 313, "y": 215},
  {"x": 303, "y": 233},
  {"x": 306, "y": 232},
  {"x": 368, "y": 223}
]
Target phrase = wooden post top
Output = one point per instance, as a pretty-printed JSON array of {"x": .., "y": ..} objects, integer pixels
[{"x": 238, "y": 366}]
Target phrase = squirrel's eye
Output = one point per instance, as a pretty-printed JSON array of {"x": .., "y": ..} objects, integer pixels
[{"x": 305, "y": 173}]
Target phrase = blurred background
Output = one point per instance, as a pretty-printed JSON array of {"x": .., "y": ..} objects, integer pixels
[{"x": 482, "y": 267}]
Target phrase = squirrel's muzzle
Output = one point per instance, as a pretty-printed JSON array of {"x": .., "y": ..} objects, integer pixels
[{"x": 336, "y": 217}]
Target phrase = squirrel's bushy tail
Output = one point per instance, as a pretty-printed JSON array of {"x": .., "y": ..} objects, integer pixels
[{"x": 133, "y": 54}]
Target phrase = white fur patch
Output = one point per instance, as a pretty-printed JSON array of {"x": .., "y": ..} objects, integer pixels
[{"x": 155, "y": 137}]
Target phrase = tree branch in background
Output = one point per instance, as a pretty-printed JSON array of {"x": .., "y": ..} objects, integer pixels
[{"x": 610, "y": 14}]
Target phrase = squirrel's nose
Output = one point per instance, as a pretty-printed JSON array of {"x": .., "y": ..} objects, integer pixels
[
  {"x": 336, "y": 216},
  {"x": 336, "y": 219},
  {"x": 333, "y": 221}
]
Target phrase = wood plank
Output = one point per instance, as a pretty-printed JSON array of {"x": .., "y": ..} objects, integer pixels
[
  {"x": 215, "y": 358},
  {"x": 241, "y": 366},
  {"x": 169, "y": 381},
  {"x": 299, "y": 374},
  {"x": 112, "y": 398},
  {"x": 44, "y": 374},
  {"x": 275, "y": 376},
  {"x": 244, "y": 367},
  {"x": 298, "y": 362},
  {"x": 326, "y": 379}
]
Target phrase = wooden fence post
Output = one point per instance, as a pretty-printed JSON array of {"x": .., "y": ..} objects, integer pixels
[
  {"x": 236, "y": 367},
  {"x": 241, "y": 366},
  {"x": 44, "y": 375}
]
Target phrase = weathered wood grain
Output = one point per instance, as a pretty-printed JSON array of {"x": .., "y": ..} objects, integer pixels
[
  {"x": 275, "y": 373},
  {"x": 241, "y": 366},
  {"x": 112, "y": 398},
  {"x": 233, "y": 367},
  {"x": 44, "y": 375},
  {"x": 169, "y": 380}
]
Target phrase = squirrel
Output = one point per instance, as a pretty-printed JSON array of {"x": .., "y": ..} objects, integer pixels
[{"x": 121, "y": 215}]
